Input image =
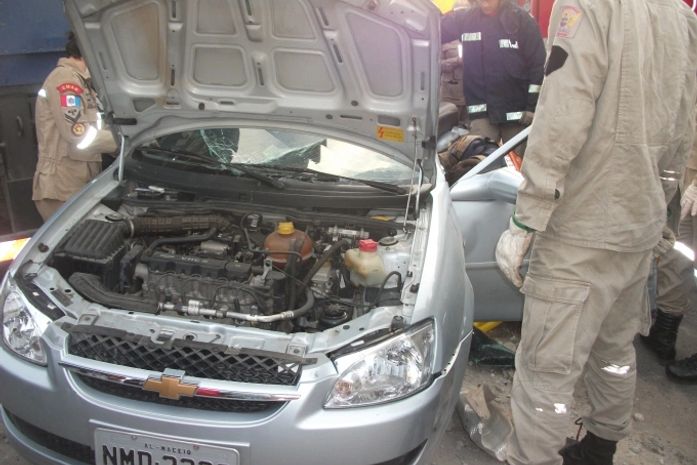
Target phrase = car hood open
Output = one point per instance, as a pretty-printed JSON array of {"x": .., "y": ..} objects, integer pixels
[{"x": 365, "y": 69}]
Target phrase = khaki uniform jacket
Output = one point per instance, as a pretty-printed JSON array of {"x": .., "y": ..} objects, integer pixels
[
  {"x": 616, "y": 111},
  {"x": 66, "y": 109}
]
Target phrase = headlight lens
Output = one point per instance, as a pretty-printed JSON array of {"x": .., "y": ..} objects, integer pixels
[
  {"x": 391, "y": 370},
  {"x": 22, "y": 327}
]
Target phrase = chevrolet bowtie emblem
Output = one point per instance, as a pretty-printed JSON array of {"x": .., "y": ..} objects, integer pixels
[{"x": 170, "y": 387}]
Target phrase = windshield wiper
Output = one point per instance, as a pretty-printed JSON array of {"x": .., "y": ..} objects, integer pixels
[
  {"x": 258, "y": 176},
  {"x": 195, "y": 159},
  {"x": 391, "y": 188}
]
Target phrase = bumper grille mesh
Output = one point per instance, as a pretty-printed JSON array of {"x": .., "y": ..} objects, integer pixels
[
  {"x": 200, "y": 360},
  {"x": 57, "y": 444}
]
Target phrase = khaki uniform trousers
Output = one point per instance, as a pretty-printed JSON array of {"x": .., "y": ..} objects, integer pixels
[
  {"x": 583, "y": 308},
  {"x": 675, "y": 272},
  {"x": 497, "y": 132},
  {"x": 47, "y": 207}
]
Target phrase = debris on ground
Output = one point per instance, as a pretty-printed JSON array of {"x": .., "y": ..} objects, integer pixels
[
  {"x": 485, "y": 421},
  {"x": 486, "y": 351}
]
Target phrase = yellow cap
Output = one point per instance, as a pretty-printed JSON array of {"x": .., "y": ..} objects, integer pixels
[
  {"x": 444, "y": 5},
  {"x": 286, "y": 227}
]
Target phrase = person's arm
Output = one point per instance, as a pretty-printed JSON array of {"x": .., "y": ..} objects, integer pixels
[
  {"x": 688, "y": 200},
  {"x": 534, "y": 54},
  {"x": 65, "y": 95},
  {"x": 451, "y": 26},
  {"x": 672, "y": 166},
  {"x": 574, "y": 78},
  {"x": 684, "y": 145}
]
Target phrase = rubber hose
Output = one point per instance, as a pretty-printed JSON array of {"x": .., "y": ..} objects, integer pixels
[{"x": 322, "y": 260}]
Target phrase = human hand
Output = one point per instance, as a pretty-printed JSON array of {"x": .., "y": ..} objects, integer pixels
[{"x": 510, "y": 251}]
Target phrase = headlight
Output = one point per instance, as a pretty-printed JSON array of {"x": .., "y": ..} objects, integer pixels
[
  {"x": 391, "y": 370},
  {"x": 22, "y": 327}
]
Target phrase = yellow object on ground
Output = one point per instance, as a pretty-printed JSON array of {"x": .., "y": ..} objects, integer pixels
[
  {"x": 486, "y": 326},
  {"x": 10, "y": 249},
  {"x": 444, "y": 5}
]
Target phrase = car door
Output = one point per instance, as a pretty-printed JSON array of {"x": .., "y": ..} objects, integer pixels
[{"x": 483, "y": 204}]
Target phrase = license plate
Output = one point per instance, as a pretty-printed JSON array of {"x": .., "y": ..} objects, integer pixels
[{"x": 117, "y": 448}]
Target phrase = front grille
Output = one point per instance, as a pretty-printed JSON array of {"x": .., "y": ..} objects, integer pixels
[
  {"x": 62, "y": 446},
  {"x": 199, "y": 403},
  {"x": 201, "y": 360}
]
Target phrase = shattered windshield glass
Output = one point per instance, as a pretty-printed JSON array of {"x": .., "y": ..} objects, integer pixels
[{"x": 283, "y": 149}]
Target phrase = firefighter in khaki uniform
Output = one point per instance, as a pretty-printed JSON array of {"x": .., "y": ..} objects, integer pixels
[
  {"x": 69, "y": 133},
  {"x": 607, "y": 129}
]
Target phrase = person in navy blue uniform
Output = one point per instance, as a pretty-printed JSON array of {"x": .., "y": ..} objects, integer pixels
[{"x": 503, "y": 57}]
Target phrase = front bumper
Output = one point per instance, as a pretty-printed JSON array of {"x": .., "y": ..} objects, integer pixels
[{"x": 50, "y": 405}]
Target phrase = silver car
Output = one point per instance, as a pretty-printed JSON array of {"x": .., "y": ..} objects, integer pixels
[{"x": 274, "y": 272}]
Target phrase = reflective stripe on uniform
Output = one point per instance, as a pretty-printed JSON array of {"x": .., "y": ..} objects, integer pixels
[
  {"x": 471, "y": 36},
  {"x": 90, "y": 136},
  {"x": 513, "y": 116},
  {"x": 476, "y": 108},
  {"x": 534, "y": 89}
]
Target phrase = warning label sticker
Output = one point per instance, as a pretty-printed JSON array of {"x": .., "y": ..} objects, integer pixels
[{"x": 390, "y": 134}]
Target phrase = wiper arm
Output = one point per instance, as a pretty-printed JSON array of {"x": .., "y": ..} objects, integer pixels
[
  {"x": 380, "y": 185},
  {"x": 375, "y": 184},
  {"x": 258, "y": 176},
  {"x": 202, "y": 160},
  {"x": 189, "y": 155},
  {"x": 193, "y": 161}
]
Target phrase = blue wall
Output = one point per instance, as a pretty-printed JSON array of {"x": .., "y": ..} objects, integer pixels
[{"x": 32, "y": 38}]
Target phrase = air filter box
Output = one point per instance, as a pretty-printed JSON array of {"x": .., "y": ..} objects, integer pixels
[{"x": 93, "y": 247}]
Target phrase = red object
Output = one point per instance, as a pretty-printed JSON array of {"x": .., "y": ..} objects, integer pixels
[
  {"x": 516, "y": 160},
  {"x": 367, "y": 245},
  {"x": 207, "y": 392},
  {"x": 70, "y": 88},
  {"x": 542, "y": 10}
]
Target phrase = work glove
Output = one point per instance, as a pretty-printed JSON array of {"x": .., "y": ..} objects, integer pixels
[
  {"x": 665, "y": 243},
  {"x": 688, "y": 202},
  {"x": 526, "y": 119},
  {"x": 511, "y": 249}
]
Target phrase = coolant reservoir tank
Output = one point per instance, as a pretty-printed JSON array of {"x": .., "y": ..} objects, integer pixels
[
  {"x": 286, "y": 239},
  {"x": 365, "y": 264},
  {"x": 396, "y": 255}
]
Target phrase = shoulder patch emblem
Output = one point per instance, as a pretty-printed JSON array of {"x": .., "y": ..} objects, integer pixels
[
  {"x": 72, "y": 115},
  {"x": 571, "y": 18},
  {"x": 68, "y": 101},
  {"x": 78, "y": 129},
  {"x": 70, "y": 88},
  {"x": 557, "y": 58}
]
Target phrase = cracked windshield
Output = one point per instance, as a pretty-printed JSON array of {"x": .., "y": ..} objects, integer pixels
[{"x": 234, "y": 149}]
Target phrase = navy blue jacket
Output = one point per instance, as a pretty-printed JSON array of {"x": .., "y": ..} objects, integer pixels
[{"x": 503, "y": 58}]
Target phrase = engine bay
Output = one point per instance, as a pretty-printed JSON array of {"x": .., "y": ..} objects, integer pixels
[{"x": 304, "y": 271}]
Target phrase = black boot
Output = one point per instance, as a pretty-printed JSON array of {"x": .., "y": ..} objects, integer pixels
[
  {"x": 592, "y": 450},
  {"x": 664, "y": 332},
  {"x": 684, "y": 370}
]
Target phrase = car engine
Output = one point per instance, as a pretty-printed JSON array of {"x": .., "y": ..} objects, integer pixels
[{"x": 259, "y": 269}]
